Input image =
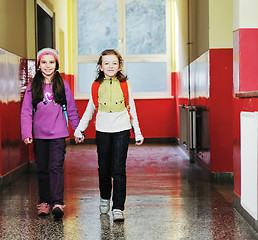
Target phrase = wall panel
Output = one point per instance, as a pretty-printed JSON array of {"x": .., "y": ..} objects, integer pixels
[{"x": 13, "y": 152}]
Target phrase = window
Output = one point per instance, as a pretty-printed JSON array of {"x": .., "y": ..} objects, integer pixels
[{"x": 138, "y": 29}]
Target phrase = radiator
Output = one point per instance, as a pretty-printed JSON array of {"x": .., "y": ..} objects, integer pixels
[{"x": 187, "y": 119}]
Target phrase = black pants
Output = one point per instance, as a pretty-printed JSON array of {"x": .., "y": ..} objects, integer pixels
[
  {"x": 112, "y": 153},
  {"x": 49, "y": 155}
]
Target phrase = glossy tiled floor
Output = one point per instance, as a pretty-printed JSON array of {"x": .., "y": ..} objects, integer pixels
[{"x": 167, "y": 198}]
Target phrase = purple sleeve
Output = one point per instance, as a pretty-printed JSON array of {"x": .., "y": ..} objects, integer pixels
[
  {"x": 72, "y": 111},
  {"x": 27, "y": 115}
]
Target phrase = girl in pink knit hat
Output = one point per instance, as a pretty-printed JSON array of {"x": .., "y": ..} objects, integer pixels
[{"x": 47, "y": 102}]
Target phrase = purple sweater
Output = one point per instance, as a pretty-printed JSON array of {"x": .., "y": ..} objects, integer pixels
[{"x": 49, "y": 120}]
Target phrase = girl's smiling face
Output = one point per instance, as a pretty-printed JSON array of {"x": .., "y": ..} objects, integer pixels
[
  {"x": 110, "y": 65},
  {"x": 47, "y": 65}
]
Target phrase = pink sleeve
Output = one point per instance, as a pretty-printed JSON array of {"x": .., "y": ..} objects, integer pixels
[{"x": 27, "y": 115}]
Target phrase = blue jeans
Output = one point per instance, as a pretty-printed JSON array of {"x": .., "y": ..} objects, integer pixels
[
  {"x": 49, "y": 155},
  {"x": 112, "y": 153}
]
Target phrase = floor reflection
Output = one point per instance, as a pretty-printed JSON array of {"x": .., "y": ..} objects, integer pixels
[{"x": 167, "y": 198}]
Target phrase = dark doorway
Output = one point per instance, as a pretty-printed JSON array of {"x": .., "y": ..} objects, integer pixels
[{"x": 44, "y": 29}]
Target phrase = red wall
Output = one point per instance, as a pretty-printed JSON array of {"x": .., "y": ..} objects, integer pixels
[
  {"x": 157, "y": 117},
  {"x": 248, "y": 56},
  {"x": 221, "y": 110},
  {"x": 13, "y": 153}
]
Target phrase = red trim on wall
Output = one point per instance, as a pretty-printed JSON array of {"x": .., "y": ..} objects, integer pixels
[
  {"x": 248, "y": 58},
  {"x": 157, "y": 118},
  {"x": 174, "y": 92},
  {"x": 12, "y": 151},
  {"x": 70, "y": 79},
  {"x": 236, "y": 144},
  {"x": 221, "y": 110}
]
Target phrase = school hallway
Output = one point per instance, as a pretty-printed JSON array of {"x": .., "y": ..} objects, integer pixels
[{"x": 167, "y": 198}]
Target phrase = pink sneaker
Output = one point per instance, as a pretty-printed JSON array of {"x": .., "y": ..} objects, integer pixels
[
  {"x": 43, "y": 209},
  {"x": 58, "y": 210}
]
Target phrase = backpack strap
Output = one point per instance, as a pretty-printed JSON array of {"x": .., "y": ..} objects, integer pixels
[
  {"x": 34, "y": 107},
  {"x": 35, "y": 104},
  {"x": 94, "y": 94},
  {"x": 64, "y": 106},
  {"x": 124, "y": 88}
]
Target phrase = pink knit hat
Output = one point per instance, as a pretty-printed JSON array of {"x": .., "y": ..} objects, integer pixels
[{"x": 45, "y": 51}]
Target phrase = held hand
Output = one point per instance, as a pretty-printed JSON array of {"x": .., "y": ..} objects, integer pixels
[
  {"x": 79, "y": 140},
  {"x": 28, "y": 140},
  {"x": 140, "y": 142}
]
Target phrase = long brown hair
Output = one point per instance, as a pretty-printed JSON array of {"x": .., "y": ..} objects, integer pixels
[
  {"x": 120, "y": 76},
  {"x": 37, "y": 86}
]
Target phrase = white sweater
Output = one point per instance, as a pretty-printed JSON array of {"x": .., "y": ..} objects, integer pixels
[{"x": 111, "y": 122}]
